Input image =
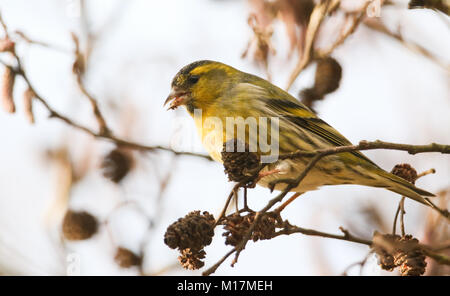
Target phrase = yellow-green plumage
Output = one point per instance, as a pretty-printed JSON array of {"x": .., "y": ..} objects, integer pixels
[{"x": 221, "y": 91}]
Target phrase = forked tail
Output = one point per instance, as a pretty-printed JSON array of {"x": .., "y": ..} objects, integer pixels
[{"x": 404, "y": 188}]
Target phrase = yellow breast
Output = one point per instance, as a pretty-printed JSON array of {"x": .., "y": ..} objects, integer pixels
[{"x": 211, "y": 134}]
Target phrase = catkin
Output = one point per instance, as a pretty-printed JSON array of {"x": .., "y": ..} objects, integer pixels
[
  {"x": 7, "y": 90},
  {"x": 28, "y": 97},
  {"x": 6, "y": 45}
]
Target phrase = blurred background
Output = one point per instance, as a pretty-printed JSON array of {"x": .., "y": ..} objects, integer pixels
[{"x": 131, "y": 50}]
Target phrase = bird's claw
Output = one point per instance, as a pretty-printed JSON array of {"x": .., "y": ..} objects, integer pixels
[{"x": 276, "y": 182}]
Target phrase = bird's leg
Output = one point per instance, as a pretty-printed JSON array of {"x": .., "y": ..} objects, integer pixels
[
  {"x": 274, "y": 183},
  {"x": 268, "y": 173},
  {"x": 286, "y": 203},
  {"x": 246, "y": 208},
  {"x": 236, "y": 198}
]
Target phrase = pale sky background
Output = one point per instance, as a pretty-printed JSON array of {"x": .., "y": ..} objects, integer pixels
[{"x": 387, "y": 93}]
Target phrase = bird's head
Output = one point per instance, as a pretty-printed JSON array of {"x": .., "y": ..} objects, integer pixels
[{"x": 199, "y": 84}]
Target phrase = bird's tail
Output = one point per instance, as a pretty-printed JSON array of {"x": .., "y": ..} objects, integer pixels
[{"x": 404, "y": 188}]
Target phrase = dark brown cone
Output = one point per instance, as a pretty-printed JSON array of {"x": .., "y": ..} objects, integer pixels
[
  {"x": 236, "y": 227},
  {"x": 410, "y": 258},
  {"x": 192, "y": 259},
  {"x": 404, "y": 252},
  {"x": 265, "y": 229},
  {"x": 125, "y": 258},
  {"x": 443, "y": 6},
  {"x": 406, "y": 172},
  {"x": 416, "y": 4},
  {"x": 194, "y": 231},
  {"x": 328, "y": 76},
  {"x": 308, "y": 96},
  {"x": 79, "y": 225},
  {"x": 240, "y": 166},
  {"x": 116, "y": 165},
  {"x": 385, "y": 259}
]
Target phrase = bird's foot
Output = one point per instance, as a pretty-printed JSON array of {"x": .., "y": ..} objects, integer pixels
[
  {"x": 291, "y": 182},
  {"x": 286, "y": 203}
]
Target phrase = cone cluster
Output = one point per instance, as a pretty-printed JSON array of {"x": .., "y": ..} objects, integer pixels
[
  {"x": 190, "y": 235},
  {"x": 240, "y": 166}
]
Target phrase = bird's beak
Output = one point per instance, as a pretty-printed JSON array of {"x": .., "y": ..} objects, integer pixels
[{"x": 177, "y": 97}]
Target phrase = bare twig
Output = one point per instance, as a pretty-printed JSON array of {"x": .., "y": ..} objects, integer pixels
[
  {"x": 378, "y": 26},
  {"x": 27, "y": 39},
  {"x": 19, "y": 70},
  {"x": 346, "y": 236},
  {"x": 213, "y": 268},
  {"x": 289, "y": 229},
  {"x": 427, "y": 172},
  {"x": 4, "y": 27},
  {"x": 317, "y": 16},
  {"x": 319, "y": 154},
  {"x": 227, "y": 203},
  {"x": 402, "y": 216},
  {"x": 373, "y": 145},
  {"x": 103, "y": 128},
  {"x": 109, "y": 137},
  {"x": 401, "y": 206},
  {"x": 394, "y": 226},
  {"x": 357, "y": 17},
  {"x": 316, "y": 156},
  {"x": 440, "y": 258},
  {"x": 118, "y": 141},
  {"x": 361, "y": 265}
]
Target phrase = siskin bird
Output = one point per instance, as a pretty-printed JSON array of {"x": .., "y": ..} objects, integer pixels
[{"x": 220, "y": 91}]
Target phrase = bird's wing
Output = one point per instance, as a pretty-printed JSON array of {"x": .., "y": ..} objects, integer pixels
[{"x": 297, "y": 113}]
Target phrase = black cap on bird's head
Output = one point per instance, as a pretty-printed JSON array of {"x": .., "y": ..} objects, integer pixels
[
  {"x": 198, "y": 83},
  {"x": 182, "y": 82}
]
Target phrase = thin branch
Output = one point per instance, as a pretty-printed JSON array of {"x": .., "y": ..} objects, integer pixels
[
  {"x": 213, "y": 268},
  {"x": 316, "y": 156},
  {"x": 227, "y": 203},
  {"x": 427, "y": 172},
  {"x": 361, "y": 264},
  {"x": 394, "y": 226},
  {"x": 346, "y": 236},
  {"x": 103, "y": 128},
  {"x": 4, "y": 27},
  {"x": 79, "y": 68},
  {"x": 356, "y": 20},
  {"x": 442, "y": 247},
  {"x": 378, "y": 26},
  {"x": 19, "y": 70},
  {"x": 109, "y": 137},
  {"x": 402, "y": 216},
  {"x": 440, "y": 258},
  {"x": 290, "y": 185},
  {"x": 289, "y": 229},
  {"x": 317, "y": 16},
  {"x": 27, "y": 39},
  {"x": 371, "y": 145}
]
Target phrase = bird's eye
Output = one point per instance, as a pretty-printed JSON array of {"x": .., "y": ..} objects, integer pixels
[{"x": 193, "y": 79}]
